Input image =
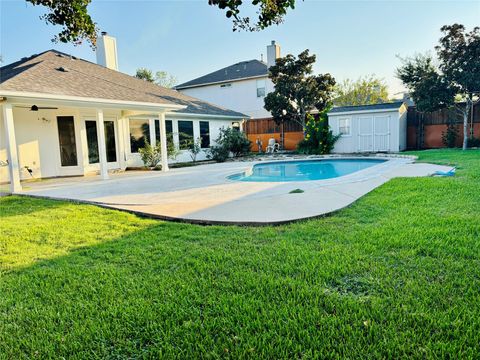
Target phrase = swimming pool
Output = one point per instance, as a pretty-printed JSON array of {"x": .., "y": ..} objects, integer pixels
[{"x": 304, "y": 170}]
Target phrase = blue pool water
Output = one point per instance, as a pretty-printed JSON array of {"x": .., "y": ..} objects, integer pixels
[{"x": 304, "y": 170}]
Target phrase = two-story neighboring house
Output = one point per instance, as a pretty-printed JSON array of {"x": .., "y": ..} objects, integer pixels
[{"x": 242, "y": 87}]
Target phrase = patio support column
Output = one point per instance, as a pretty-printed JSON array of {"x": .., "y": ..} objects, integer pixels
[
  {"x": 12, "y": 155},
  {"x": 163, "y": 141},
  {"x": 102, "y": 149},
  {"x": 151, "y": 125}
]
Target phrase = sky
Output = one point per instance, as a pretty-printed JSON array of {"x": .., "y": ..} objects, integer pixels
[{"x": 189, "y": 39}]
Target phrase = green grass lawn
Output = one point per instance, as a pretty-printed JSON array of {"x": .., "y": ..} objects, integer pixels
[{"x": 395, "y": 275}]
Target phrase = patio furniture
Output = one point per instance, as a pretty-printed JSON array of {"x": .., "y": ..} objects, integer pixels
[{"x": 272, "y": 146}]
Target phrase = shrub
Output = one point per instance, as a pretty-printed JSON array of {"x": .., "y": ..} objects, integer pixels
[
  {"x": 229, "y": 141},
  {"x": 151, "y": 155},
  {"x": 473, "y": 142},
  {"x": 319, "y": 139},
  {"x": 218, "y": 153},
  {"x": 449, "y": 137},
  {"x": 194, "y": 148}
]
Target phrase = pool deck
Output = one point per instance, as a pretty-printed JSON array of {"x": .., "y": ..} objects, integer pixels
[{"x": 203, "y": 194}]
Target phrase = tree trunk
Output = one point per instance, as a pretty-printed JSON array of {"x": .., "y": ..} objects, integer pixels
[{"x": 465, "y": 124}]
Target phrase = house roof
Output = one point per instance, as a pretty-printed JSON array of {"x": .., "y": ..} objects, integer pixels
[
  {"x": 238, "y": 71},
  {"x": 382, "y": 106},
  {"x": 56, "y": 73}
]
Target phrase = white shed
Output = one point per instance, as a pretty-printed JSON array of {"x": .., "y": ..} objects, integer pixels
[{"x": 370, "y": 128}]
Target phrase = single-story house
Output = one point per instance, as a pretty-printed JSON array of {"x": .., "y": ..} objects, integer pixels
[
  {"x": 64, "y": 116},
  {"x": 370, "y": 128}
]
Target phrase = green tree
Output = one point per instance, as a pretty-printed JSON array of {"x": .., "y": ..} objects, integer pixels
[
  {"x": 78, "y": 26},
  {"x": 270, "y": 12},
  {"x": 297, "y": 91},
  {"x": 456, "y": 77},
  {"x": 72, "y": 16},
  {"x": 161, "y": 78},
  {"x": 366, "y": 90},
  {"x": 145, "y": 74}
]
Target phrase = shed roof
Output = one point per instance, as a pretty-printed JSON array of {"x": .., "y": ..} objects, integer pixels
[{"x": 363, "y": 108}]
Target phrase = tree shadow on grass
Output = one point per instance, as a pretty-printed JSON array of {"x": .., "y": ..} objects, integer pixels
[{"x": 19, "y": 205}]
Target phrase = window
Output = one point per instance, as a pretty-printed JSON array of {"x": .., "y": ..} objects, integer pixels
[
  {"x": 92, "y": 141},
  {"x": 185, "y": 134},
  {"x": 260, "y": 88},
  {"x": 226, "y": 85},
  {"x": 344, "y": 126},
  {"x": 168, "y": 127},
  {"x": 66, "y": 137},
  {"x": 110, "y": 141},
  {"x": 139, "y": 133},
  {"x": 205, "y": 134}
]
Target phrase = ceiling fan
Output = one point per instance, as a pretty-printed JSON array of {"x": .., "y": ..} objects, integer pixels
[{"x": 36, "y": 108}]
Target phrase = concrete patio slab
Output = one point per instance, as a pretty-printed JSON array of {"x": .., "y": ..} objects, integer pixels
[{"x": 204, "y": 194}]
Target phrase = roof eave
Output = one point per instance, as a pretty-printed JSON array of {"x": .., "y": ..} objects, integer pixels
[
  {"x": 180, "y": 87},
  {"x": 67, "y": 100}
]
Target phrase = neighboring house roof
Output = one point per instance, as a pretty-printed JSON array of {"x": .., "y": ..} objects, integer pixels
[
  {"x": 241, "y": 70},
  {"x": 56, "y": 73},
  {"x": 383, "y": 106}
]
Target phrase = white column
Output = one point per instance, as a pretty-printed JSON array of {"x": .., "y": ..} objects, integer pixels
[
  {"x": 163, "y": 141},
  {"x": 12, "y": 156},
  {"x": 151, "y": 125},
  {"x": 102, "y": 149},
  {"x": 122, "y": 156}
]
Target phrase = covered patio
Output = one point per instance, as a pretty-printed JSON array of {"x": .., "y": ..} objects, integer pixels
[{"x": 56, "y": 135}]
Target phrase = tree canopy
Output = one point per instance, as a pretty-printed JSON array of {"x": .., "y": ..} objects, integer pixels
[
  {"x": 457, "y": 74},
  {"x": 72, "y": 16},
  {"x": 365, "y": 90},
  {"x": 78, "y": 26},
  {"x": 269, "y": 12},
  {"x": 297, "y": 91},
  {"x": 161, "y": 78}
]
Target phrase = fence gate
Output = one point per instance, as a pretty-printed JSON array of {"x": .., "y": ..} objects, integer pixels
[
  {"x": 382, "y": 133},
  {"x": 365, "y": 134}
]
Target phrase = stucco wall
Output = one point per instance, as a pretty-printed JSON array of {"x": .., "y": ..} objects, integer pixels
[
  {"x": 38, "y": 144},
  {"x": 241, "y": 96}
]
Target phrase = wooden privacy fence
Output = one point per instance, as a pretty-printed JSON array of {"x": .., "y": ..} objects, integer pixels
[
  {"x": 424, "y": 130},
  {"x": 265, "y": 129}
]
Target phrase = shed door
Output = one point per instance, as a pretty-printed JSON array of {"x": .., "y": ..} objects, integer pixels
[
  {"x": 365, "y": 134},
  {"x": 382, "y": 133}
]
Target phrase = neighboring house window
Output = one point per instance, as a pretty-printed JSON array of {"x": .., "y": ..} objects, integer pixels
[
  {"x": 185, "y": 134},
  {"x": 168, "y": 127},
  {"x": 226, "y": 85},
  {"x": 260, "y": 88},
  {"x": 344, "y": 126},
  {"x": 139, "y": 133},
  {"x": 205, "y": 134},
  {"x": 92, "y": 141},
  {"x": 66, "y": 137}
]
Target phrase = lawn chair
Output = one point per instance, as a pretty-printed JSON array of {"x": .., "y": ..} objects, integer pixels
[{"x": 272, "y": 146}]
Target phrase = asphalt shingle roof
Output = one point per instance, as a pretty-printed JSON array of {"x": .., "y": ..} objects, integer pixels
[
  {"x": 241, "y": 70},
  {"x": 43, "y": 73},
  {"x": 382, "y": 106}
]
